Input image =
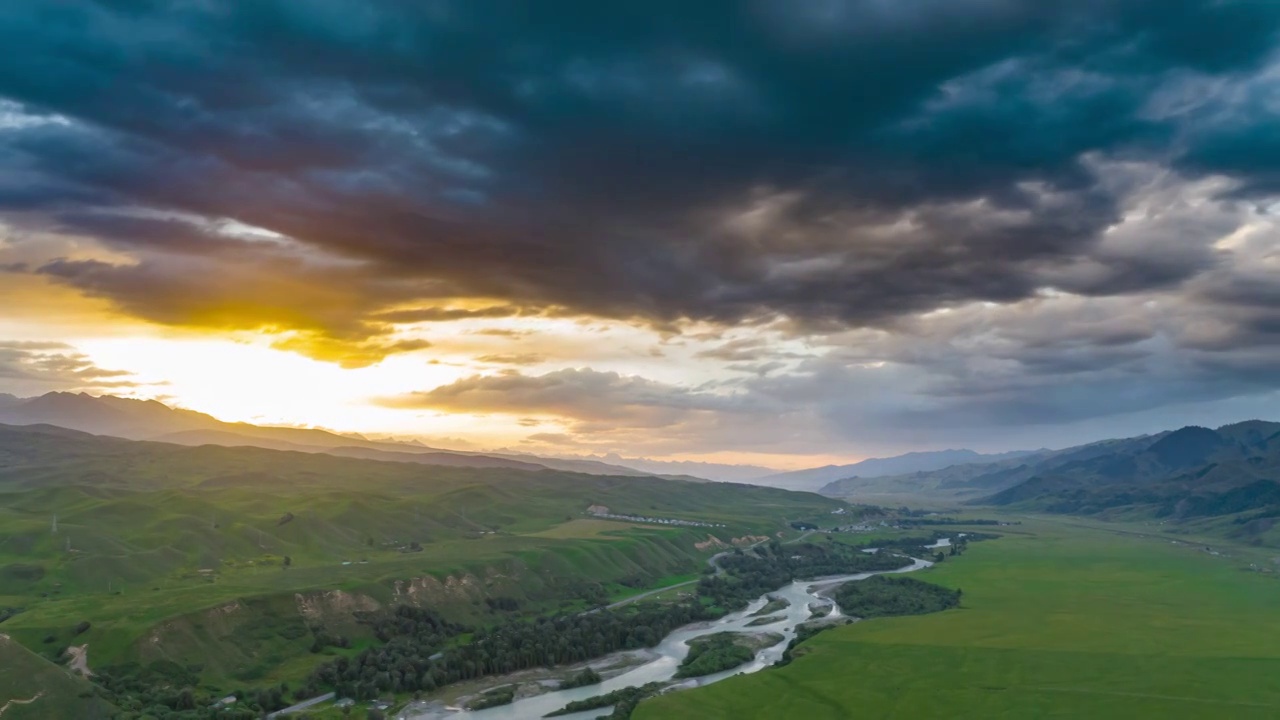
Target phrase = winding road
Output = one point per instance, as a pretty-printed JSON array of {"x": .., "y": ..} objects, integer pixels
[{"x": 301, "y": 706}]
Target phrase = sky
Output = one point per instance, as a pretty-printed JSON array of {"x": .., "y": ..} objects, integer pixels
[{"x": 761, "y": 231}]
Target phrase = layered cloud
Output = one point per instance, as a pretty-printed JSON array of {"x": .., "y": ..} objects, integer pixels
[
  {"x": 32, "y": 366},
  {"x": 916, "y": 213}
]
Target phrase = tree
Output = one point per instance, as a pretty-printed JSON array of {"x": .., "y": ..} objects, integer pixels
[
  {"x": 939, "y": 557},
  {"x": 287, "y": 561},
  {"x": 186, "y": 700},
  {"x": 376, "y": 714}
]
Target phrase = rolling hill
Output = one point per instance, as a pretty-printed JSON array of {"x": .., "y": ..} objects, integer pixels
[
  {"x": 224, "y": 557},
  {"x": 913, "y": 462},
  {"x": 152, "y": 420},
  {"x": 718, "y": 472},
  {"x": 1223, "y": 481},
  {"x": 1190, "y": 473},
  {"x": 32, "y": 688},
  {"x": 969, "y": 481}
]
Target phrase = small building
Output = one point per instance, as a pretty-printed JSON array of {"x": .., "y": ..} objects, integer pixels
[{"x": 598, "y": 510}]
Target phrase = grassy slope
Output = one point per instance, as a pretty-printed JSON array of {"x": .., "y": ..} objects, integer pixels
[
  {"x": 144, "y": 518},
  {"x": 1058, "y": 621},
  {"x": 50, "y": 691}
]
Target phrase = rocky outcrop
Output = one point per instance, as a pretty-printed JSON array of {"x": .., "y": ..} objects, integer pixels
[{"x": 325, "y": 607}]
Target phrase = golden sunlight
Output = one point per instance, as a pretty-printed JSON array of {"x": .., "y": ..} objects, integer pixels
[{"x": 256, "y": 383}]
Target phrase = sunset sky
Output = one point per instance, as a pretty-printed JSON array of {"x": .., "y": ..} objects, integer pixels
[{"x": 768, "y": 231}]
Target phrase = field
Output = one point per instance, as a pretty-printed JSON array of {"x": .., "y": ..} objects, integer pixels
[{"x": 1059, "y": 619}]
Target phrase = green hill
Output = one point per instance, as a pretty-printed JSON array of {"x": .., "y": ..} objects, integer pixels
[
  {"x": 32, "y": 688},
  {"x": 1223, "y": 481},
  {"x": 1193, "y": 477},
  {"x": 152, "y": 420},
  {"x": 230, "y": 558}
]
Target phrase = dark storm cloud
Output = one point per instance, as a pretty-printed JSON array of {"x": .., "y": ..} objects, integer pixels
[
  {"x": 1238, "y": 313},
  {"x": 831, "y": 170},
  {"x": 621, "y": 159}
]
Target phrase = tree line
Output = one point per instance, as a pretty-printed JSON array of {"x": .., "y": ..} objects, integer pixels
[
  {"x": 882, "y": 596},
  {"x": 412, "y": 662},
  {"x": 420, "y": 650},
  {"x": 712, "y": 653},
  {"x": 748, "y": 575}
]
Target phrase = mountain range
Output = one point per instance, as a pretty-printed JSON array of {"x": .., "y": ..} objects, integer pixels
[
  {"x": 152, "y": 420},
  {"x": 719, "y": 472},
  {"x": 1194, "y": 472},
  {"x": 912, "y": 462},
  {"x": 1190, "y": 475}
]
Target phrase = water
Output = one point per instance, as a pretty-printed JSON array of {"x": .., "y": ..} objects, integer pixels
[
  {"x": 673, "y": 649},
  {"x": 944, "y": 542}
]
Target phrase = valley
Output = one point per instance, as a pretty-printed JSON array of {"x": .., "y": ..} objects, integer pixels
[
  {"x": 1224, "y": 482},
  {"x": 459, "y": 360},
  {"x": 1059, "y": 617},
  {"x": 179, "y": 575},
  {"x": 226, "y": 567}
]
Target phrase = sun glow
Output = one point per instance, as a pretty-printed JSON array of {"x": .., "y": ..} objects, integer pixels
[{"x": 249, "y": 381}]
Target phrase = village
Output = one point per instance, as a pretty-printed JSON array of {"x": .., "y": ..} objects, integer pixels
[{"x": 600, "y": 511}]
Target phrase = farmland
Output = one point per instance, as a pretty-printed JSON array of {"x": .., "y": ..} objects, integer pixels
[{"x": 1058, "y": 619}]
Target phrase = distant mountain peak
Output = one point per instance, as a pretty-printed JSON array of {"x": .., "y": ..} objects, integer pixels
[
  {"x": 137, "y": 419},
  {"x": 1191, "y": 445},
  {"x": 905, "y": 464}
]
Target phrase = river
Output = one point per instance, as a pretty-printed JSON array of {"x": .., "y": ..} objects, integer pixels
[{"x": 672, "y": 650}]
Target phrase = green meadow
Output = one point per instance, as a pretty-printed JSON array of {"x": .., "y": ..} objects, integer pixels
[
  {"x": 177, "y": 553},
  {"x": 1059, "y": 619},
  {"x": 32, "y": 688}
]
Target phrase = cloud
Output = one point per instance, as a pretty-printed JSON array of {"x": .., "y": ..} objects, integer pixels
[
  {"x": 438, "y": 314},
  {"x": 604, "y": 162},
  {"x": 512, "y": 358},
  {"x": 45, "y": 366},
  {"x": 591, "y": 399},
  {"x": 741, "y": 350},
  {"x": 1057, "y": 211}
]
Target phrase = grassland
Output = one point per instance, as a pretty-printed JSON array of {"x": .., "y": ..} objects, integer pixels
[
  {"x": 32, "y": 688},
  {"x": 1059, "y": 619},
  {"x": 179, "y": 553}
]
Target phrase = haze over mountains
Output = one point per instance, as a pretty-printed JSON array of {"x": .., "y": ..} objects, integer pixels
[
  {"x": 912, "y": 462},
  {"x": 152, "y": 420},
  {"x": 719, "y": 472},
  {"x": 1191, "y": 474}
]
